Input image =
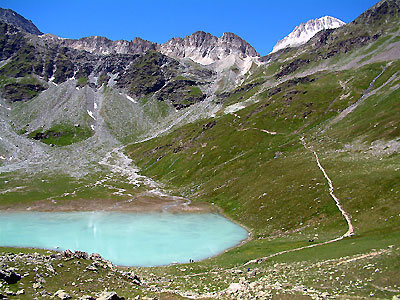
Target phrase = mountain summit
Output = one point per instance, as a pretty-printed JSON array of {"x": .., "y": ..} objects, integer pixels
[
  {"x": 11, "y": 17},
  {"x": 305, "y": 31},
  {"x": 204, "y": 48}
]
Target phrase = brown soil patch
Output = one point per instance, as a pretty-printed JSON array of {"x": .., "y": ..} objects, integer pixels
[{"x": 144, "y": 202}]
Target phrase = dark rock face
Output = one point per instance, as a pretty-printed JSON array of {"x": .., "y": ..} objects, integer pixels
[
  {"x": 20, "y": 91},
  {"x": 11, "y": 17},
  {"x": 148, "y": 74},
  {"x": 181, "y": 93},
  {"x": 11, "y": 40},
  {"x": 45, "y": 135},
  {"x": 288, "y": 84},
  {"x": 9, "y": 276},
  {"x": 221, "y": 97},
  {"x": 292, "y": 66}
]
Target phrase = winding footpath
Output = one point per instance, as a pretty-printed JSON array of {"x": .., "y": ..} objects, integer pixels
[{"x": 346, "y": 215}]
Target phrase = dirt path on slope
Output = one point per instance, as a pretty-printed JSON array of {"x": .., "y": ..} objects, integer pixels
[{"x": 345, "y": 214}]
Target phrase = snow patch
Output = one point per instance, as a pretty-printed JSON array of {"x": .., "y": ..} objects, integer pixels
[
  {"x": 130, "y": 98},
  {"x": 91, "y": 114}
]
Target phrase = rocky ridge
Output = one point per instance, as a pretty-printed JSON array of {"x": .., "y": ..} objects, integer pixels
[
  {"x": 205, "y": 48},
  {"x": 201, "y": 47}
]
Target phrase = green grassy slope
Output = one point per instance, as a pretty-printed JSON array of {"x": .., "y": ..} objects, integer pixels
[{"x": 272, "y": 184}]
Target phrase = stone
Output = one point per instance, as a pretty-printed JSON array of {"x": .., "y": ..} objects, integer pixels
[
  {"x": 62, "y": 295},
  {"x": 234, "y": 288},
  {"x": 10, "y": 276},
  {"x": 36, "y": 285},
  {"x": 20, "y": 292},
  {"x": 81, "y": 255},
  {"x": 109, "y": 296},
  {"x": 87, "y": 297},
  {"x": 67, "y": 253},
  {"x": 91, "y": 268},
  {"x": 95, "y": 256},
  {"x": 9, "y": 292}
]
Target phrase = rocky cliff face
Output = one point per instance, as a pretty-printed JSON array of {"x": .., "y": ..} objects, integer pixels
[
  {"x": 11, "y": 17},
  {"x": 205, "y": 48},
  {"x": 305, "y": 31}
]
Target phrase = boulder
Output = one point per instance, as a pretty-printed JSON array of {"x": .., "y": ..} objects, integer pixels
[
  {"x": 81, "y": 254},
  {"x": 109, "y": 296},
  {"x": 67, "y": 253},
  {"x": 62, "y": 295},
  {"x": 9, "y": 276},
  {"x": 95, "y": 256},
  {"x": 234, "y": 288},
  {"x": 87, "y": 297}
]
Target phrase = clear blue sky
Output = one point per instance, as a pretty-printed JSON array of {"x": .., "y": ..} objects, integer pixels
[{"x": 260, "y": 22}]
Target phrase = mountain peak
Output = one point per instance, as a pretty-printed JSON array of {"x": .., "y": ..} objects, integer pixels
[
  {"x": 204, "y": 48},
  {"x": 11, "y": 17},
  {"x": 305, "y": 31}
]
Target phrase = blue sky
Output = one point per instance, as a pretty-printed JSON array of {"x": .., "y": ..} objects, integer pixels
[{"x": 260, "y": 22}]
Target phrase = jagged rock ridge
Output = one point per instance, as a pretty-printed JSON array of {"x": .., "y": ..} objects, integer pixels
[
  {"x": 11, "y": 17},
  {"x": 305, "y": 31},
  {"x": 200, "y": 46},
  {"x": 205, "y": 48},
  {"x": 104, "y": 46}
]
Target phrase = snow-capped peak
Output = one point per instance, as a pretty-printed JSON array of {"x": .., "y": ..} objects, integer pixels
[{"x": 305, "y": 31}]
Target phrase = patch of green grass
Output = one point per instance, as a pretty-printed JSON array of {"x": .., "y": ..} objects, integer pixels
[
  {"x": 82, "y": 82},
  {"x": 62, "y": 134},
  {"x": 180, "y": 77},
  {"x": 195, "y": 91}
]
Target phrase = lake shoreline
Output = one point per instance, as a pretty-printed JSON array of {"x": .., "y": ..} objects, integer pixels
[{"x": 144, "y": 202}]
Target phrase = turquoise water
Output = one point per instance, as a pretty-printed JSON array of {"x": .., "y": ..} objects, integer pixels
[{"x": 127, "y": 239}]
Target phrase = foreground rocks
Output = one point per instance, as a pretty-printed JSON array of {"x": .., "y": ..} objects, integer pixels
[{"x": 40, "y": 274}]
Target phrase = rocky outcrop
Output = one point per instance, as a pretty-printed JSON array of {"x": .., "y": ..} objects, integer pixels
[
  {"x": 205, "y": 48},
  {"x": 11, "y": 17},
  {"x": 382, "y": 12},
  {"x": 181, "y": 93}
]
